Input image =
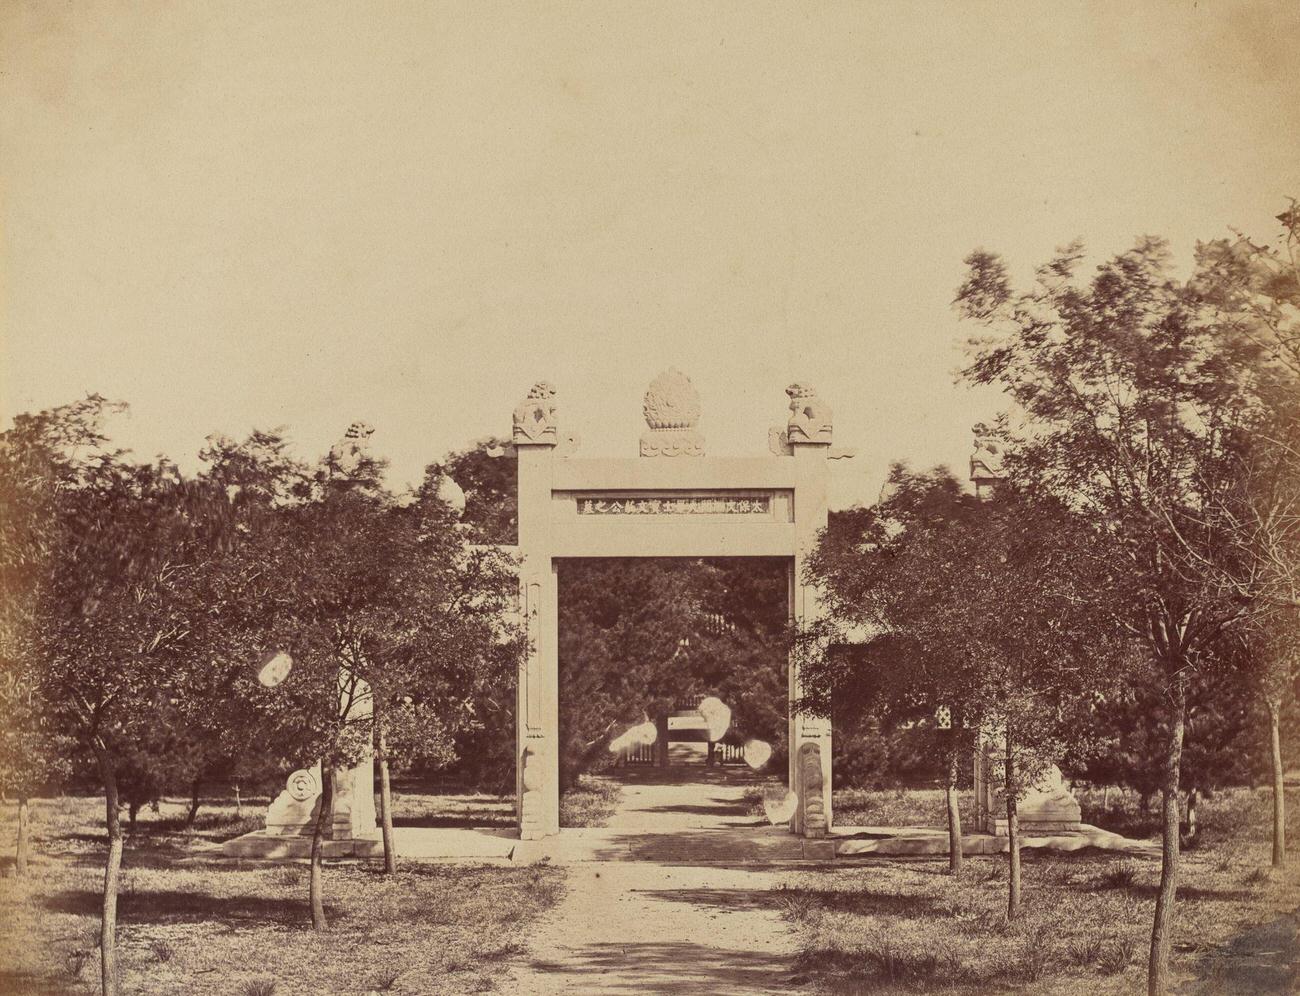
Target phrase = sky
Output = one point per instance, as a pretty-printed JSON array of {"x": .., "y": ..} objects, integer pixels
[{"x": 239, "y": 215}]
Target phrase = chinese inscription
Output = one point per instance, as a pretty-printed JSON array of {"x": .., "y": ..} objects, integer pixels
[{"x": 760, "y": 505}]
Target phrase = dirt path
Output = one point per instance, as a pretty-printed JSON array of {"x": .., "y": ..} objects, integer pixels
[
  {"x": 695, "y": 920},
  {"x": 641, "y": 927}
]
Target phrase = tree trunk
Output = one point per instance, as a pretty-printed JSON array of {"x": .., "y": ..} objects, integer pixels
[
  {"x": 1193, "y": 803},
  {"x": 713, "y": 751},
  {"x": 1279, "y": 788},
  {"x": 315, "y": 882},
  {"x": 132, "y": 811},
  {"x": 385, "y": 791},
  {"x": 239, "y": 804},
  {"x": 1162, "y": 927},
  {"x": 1013, "y": 839},
  {"x": 192, "y": 815},
  {"x": 661, "y": 740},
  {"x": 24, "y": 830},
  {"x": 112, "y": 873},
  {"x": 954, "y": 815}
]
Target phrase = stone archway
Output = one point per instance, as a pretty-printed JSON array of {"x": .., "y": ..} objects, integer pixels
[{"x": 672, "y": 501}]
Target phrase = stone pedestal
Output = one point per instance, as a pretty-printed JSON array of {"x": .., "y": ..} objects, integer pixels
[
  {"x": 293, "y": 812},
  {"x": 1048, "y": 807}
]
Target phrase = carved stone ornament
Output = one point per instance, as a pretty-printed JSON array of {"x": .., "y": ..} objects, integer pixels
[
  {"x": 535, "y": 416},
  {"x": 810, "y": 417},
  {"x": 986, "y": 461},
  {"x": 302, "y": 785},
  {"x": 672, "y": 412},
  {"x": 351, "y": 453},
  {"x": 811, "y": 784}
]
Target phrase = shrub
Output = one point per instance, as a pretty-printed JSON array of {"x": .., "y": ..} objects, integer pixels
[
  {"x": 794, "y": 905},
  {"x": 1036, "y": 956},
  {"x": 1085, "y": 950},
  {"x": 259, "y": 987},
  {"x": 162, "y": 950},
  {"x": 1120, "y": 876},
  {"x": 1118, "y": 956}
]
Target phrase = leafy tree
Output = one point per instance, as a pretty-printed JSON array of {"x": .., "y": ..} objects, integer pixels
[
  {"x": 1253, "y": 292},
  {"x": 981, "y": 609},
  {"x": 1134, "y": 397},
  {"x": 1129, "y": 748},
  {"x": 488, "y": 473},
  {"x": 37, "y": 458},
  {"x": 105, "y": 630}
]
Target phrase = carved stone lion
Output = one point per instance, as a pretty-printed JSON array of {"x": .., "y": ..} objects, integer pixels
[
  {"x": 535, "y": 416},
  {"x": 351, "y": 453},
  {"x": 810, "y": 417}
]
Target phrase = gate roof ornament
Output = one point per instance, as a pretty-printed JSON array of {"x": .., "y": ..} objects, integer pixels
[
  {"x": 349, "y": 460},
  {"x": 986, "y": 462},
  {"x": 672, "y": 412},
  {"x": 535, "y": 416},
  {"x": 810, "y": 416}
]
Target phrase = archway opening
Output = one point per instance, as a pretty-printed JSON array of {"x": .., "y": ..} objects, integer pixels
[{"x": 673, "y": 690}]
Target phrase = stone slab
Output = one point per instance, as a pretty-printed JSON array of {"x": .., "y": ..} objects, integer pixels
[
  {"x": 916, "y": 841},
  {"x": 412, "y": 843}
]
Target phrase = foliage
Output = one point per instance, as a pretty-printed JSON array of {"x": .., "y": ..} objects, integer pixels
[
  {"x": 637, "y": 638},
  {"x": 1136, "y": 400},
  {"x": 488, "y": 473},
  {"x": 980, "y": 607}
]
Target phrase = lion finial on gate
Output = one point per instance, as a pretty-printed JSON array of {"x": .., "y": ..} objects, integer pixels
[
  {"x": 535, "y": 416},
  {"x": 810, "y": 417}
]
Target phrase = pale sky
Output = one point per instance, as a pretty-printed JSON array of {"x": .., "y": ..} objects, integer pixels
[{"x": 243, "y": 214}]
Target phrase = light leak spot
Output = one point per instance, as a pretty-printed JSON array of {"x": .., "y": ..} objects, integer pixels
[
  {"x": 717, "y": 717},
  {"x": 275, "y": 668},
  {"x": 757, "y": 753},
  {"x": 779, "y": 804}
]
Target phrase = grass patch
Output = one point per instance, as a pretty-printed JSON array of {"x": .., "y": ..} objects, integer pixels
[
  {"x": 590, "y": 802},
  {"x": 893, "y": 927},
  {"x": 192, "y": 924}
]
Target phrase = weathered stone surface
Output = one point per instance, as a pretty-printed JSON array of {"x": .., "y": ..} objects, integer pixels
[
  {"x": 811, "y": 418},
  {"x": 351, "y": 454},
  {"x": 293, "y": 811},
  {"x": 814, "y": 806},
  {"x": 672, "y": 412},
  {"x": 535, "y": 418}
]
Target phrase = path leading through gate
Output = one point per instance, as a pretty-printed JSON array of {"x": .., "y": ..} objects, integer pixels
[{"x": 688, "y": 909}]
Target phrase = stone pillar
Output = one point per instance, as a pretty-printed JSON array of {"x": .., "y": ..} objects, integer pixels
[
  {"x": 808, "y": 435},
  {"x": 353, "y": 806},
  {"x": 537, "y": 705}
]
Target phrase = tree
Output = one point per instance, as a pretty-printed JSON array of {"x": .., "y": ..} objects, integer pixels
[
  {"x": 1217, "y": 749},
  {"x": 423, "y": 623},
  {"x": 1254, "y": 293},
  {"x": 981, "y": 609},
  {"x": 106, "y": 630},
  {"x": 488, "y": 473},
  {"x": 1134, "y": 399}
]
